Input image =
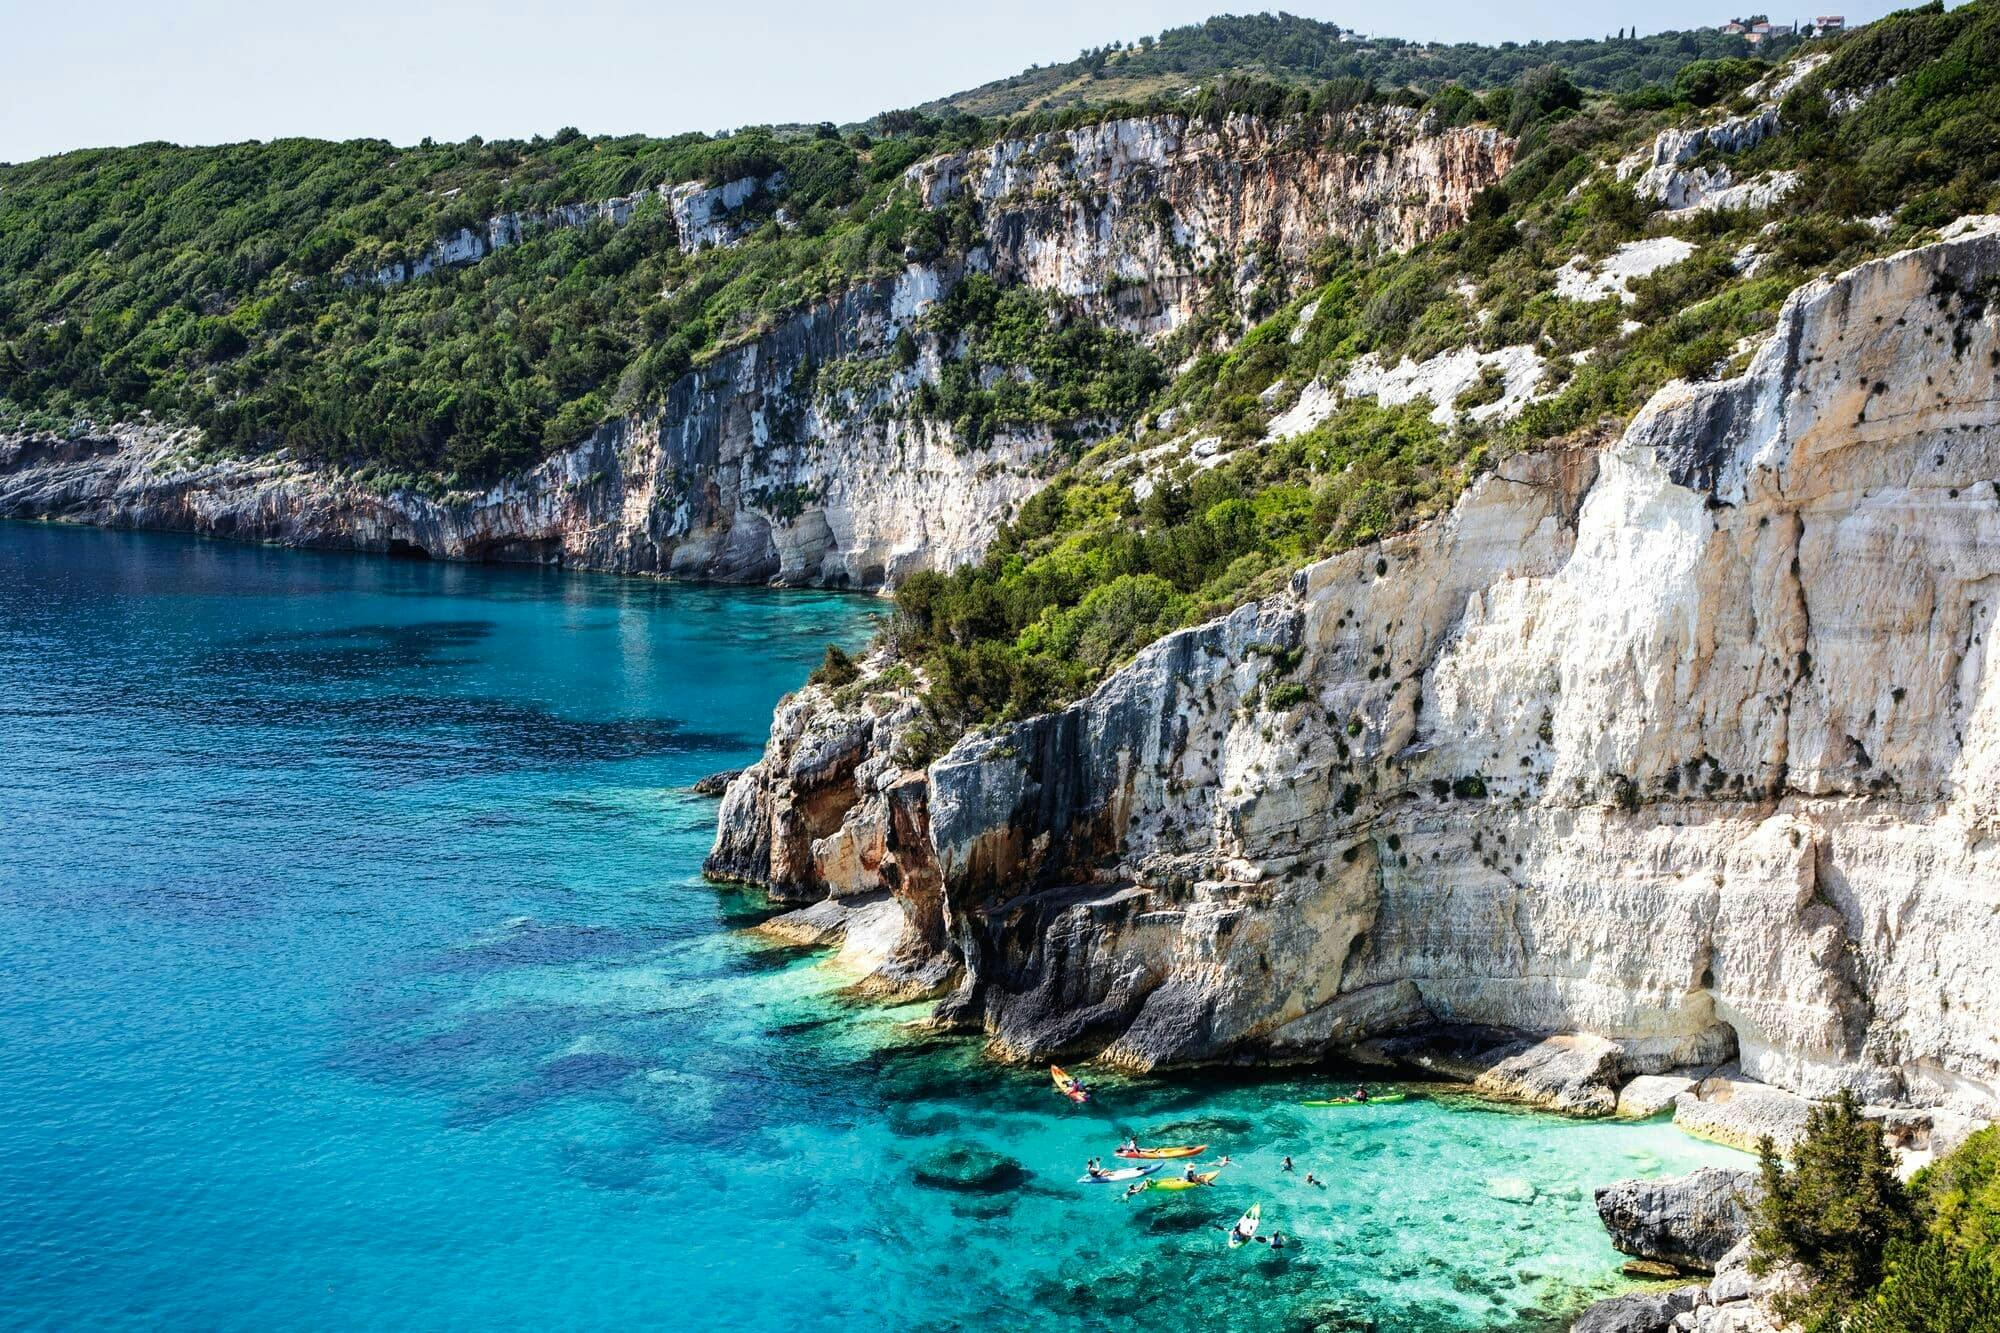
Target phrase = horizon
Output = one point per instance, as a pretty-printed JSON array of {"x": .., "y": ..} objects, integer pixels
[{"x": 165, "y": 72}]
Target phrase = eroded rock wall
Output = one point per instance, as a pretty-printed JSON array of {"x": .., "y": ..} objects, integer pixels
[
  {"x": 1689, "y": 742},
  {"x": 1144, "y": 217}
]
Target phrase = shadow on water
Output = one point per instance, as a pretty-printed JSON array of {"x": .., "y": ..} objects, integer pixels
[
  {"x": 420, "y": 733},
  {"x": 352, "y": 652},
  {"x": 585, "y": 1074},
  {"x": 528, "y": 943}
]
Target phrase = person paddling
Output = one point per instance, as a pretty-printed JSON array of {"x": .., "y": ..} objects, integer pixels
[{"x": 1361, "y": 1093}]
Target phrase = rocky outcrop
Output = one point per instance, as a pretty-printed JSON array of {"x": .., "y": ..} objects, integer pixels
[
  {"x": 1688, "y": 742},
  {"x": 1137, "y": 216},
  {"x": 1689, "y": 1221},
  {"x": 1735, "y": 1300},
  {"x": 704, "y": 215}
]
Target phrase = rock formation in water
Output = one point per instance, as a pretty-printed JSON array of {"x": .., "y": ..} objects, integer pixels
[
  {"x": 1689, "y": 1222},
  {"x": 801, "y": 456},
  {"x": 1687, "y": 745}
]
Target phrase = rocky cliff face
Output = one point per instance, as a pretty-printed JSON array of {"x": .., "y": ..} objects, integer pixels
[
  {"x": 1141, "y": 216},
  {"x": 1690, "y": 742},
  {"x": 799, "y": 457}
]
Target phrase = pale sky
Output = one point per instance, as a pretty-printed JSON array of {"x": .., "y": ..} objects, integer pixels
[{"x": 102, "y": 72}]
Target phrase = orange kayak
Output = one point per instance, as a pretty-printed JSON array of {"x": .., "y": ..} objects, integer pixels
[
  {"x": 1071, "y": 1088},
  {"x": 1160, "y": 1154}
]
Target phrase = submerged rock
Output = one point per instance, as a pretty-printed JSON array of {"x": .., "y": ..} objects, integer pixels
[{"x": 969, "y": 1170}]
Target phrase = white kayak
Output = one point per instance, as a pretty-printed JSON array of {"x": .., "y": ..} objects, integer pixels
[
  {"x": 1121, "y": 1175},
  {"x": 1246, "y": 1226}
]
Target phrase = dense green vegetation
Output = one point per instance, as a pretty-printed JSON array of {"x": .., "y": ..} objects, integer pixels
[
  {"x": 208, "y": 284},
  {"x": 218, "y": 286},
  {"x": 1290, "y": 49},
  {"x": 1087, "y": 573},
  {"x": 1880, "y": 1257}
]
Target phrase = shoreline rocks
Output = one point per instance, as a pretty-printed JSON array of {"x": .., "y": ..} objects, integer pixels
[
  {"x": 1689, "y": 1221},
  {"x": 715, "y": 784}
]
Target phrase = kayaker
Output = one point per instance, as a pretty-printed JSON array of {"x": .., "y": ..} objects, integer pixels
[
  {"x": 1130, "y": 1145},
  {"x": 1288, "y": 1164},
  {"x": 1188, "y": 1173},
  {"x": 1361, "y": 1094}
]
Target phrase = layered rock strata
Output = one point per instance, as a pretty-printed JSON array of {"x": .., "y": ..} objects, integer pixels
[
  {"x": 1687, "y": 742},
  {"x": 1142, "y": 217}
]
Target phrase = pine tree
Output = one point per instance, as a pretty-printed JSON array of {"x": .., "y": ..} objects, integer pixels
[{"x": 1837, "y": 1209}]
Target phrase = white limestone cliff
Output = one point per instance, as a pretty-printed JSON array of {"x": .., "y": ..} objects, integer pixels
[
  {"x": 1133, "y": 214},
  {"x": 1689, "y": 742}
]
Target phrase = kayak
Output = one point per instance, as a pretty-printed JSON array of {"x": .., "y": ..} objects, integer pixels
[
  {"x": 1071, "y": 1088},
  {"x": 1120, "y": 1176},
  {"x": 1382, "y": 1099},
  {"x": 1159, "y": 1154},
  {"x": 1246, "y": 1226},
  {"x": 1205, "y": 1178}
]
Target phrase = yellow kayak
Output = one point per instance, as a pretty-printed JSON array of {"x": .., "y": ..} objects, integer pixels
[
  {"x": 1071, "y": 1088},
  {"x": 1205, "y": 1178}
]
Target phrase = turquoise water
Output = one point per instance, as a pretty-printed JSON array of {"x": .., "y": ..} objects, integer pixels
[{"x": 358, "y": 973}]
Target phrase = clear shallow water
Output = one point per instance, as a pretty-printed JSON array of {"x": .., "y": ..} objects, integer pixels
[{"x": 358, "y": 972}]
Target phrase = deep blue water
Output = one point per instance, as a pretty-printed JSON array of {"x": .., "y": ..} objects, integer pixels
[{"x": 355, "y": 970}]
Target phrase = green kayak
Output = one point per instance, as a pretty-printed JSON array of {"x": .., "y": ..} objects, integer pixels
[{"x": 1380, "y": 1099}]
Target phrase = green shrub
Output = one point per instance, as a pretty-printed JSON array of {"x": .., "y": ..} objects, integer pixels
[{"x": 835, "y": 669}]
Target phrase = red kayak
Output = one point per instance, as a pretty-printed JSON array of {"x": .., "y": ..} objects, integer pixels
[{"x": 1071, "y": 1088}]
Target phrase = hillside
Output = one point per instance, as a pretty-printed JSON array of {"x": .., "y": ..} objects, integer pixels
[
  {"x": 241, "y": 289},
  {"x": 1287, "y": 49}
]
